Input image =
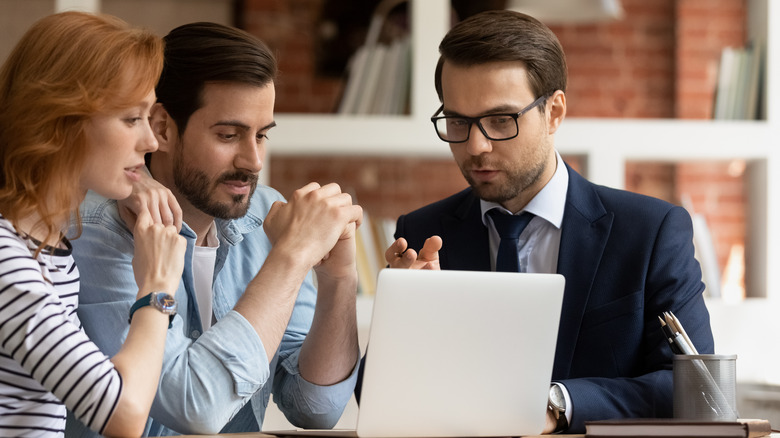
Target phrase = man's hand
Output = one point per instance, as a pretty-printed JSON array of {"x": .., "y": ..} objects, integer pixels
[
  {"x": 399, "y": 255},
  {"x": 340, "y": 262},
  {"x": 316, "y": 224},
  {"x": 550, "y": 423},
  {"x": 150, "y": 195}
]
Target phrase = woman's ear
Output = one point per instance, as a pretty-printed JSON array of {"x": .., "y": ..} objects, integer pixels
[
  {"x": 163, "y": 127},
  {"x": 557, "y": 104}
]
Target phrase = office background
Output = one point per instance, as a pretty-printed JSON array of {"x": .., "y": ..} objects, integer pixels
[{"x": 642, "y": 89}]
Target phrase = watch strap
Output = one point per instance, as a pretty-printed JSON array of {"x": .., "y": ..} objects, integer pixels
[{"x": 146, "y": 300}]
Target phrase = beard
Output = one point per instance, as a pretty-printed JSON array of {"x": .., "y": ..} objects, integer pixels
[
  {"x": 517, "y": 180},
  {"x": 199, "y": 189}
]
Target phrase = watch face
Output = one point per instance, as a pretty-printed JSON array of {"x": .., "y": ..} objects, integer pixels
[
  {"x": 556, "y": 397},
  {"x": 165, "y": 302}
]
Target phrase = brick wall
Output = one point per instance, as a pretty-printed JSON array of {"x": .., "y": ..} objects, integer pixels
[
  {"x": 717, "y": 190},
  {"x": 623, "y": 68},
  {"x": 290, "y": 28},
  {"x": 659, "y": 62},
  {"x": 383, "y": 187},
  {"x": 704, "y": 27}
]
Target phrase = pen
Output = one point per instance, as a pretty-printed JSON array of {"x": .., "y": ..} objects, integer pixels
[
  {"x": 681, "y": 329},
  {"x": 677, "y": 330},
  {"x": 680, "y": 343},
  {"x": 670, "y": 336}
]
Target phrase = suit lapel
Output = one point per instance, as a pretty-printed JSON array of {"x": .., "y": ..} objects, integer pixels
[
  {"x": 471, "y": 253},
  {"x": 584, "y": 233}
]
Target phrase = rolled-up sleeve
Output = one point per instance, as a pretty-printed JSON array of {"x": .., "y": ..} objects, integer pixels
[
  {"x": 204, "y": 383},
  {"x": 303, "y": 403},
  {"x": 207, "y": 377},
  {"x": 306, "y": 404},
  {"x": 204, "y": 380}
]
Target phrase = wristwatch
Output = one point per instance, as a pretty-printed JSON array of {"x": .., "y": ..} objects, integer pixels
[
  {"x": 556, "y": 402},
  {"x": 162, "y": 301}
]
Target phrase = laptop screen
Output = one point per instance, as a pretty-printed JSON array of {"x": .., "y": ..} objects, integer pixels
[{"x": 459, "y": 353}]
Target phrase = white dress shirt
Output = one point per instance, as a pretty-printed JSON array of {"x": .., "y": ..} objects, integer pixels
[
  {"x": 204, "y": 259},
  {"x": 538, "y": 244}
]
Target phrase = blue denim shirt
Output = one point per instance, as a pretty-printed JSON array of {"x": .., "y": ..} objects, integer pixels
[{"x": 207, "y": 378}]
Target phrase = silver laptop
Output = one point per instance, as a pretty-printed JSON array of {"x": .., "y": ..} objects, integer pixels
[{"x": 457, "y": 353}]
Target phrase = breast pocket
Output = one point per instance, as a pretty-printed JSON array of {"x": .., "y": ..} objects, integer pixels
[
  {"x": 614, "y": 310},
  {"x": 612, "y": 334}
]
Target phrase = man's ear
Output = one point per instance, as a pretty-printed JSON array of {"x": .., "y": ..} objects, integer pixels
[
  {"x": 163, "y": 127},
  {"x": 557, "y": 105}
]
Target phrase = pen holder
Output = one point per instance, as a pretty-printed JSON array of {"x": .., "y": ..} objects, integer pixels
[{"x": 705, "y": 387}]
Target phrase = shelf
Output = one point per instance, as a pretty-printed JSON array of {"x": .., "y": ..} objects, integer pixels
[
  {"x": 610, "y": 139},
  {"x": 605, "y": 143},
  {"x": 635, "y": 138},
  {"x": 355, "y": 135}
]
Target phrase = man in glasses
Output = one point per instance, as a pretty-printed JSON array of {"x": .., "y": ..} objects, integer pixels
[{"x": 626, "y": 258}]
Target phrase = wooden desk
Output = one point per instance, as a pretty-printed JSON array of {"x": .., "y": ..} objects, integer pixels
[{"x": 262, "y": 435}]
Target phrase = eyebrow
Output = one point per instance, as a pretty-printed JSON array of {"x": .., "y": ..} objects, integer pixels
[
  {"x": 241, "y": 125},
  {"x": 142, "y": 105},
  {"x": 501, "y": 109}
]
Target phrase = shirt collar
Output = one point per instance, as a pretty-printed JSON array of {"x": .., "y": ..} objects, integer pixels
[
  {"x": 549, "y": 203},
  {"x": 231, "y": 231}
]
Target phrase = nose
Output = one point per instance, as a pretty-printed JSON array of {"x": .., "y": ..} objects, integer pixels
[
  {"x": 148, "y": 142},
  {"x": 250, "y": 155},
  {"x": 477, "y": 143}
]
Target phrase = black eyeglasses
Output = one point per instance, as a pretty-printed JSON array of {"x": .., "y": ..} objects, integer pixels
[{"x": 496, "y": 127}]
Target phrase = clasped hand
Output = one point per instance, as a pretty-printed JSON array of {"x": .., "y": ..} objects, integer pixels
[{"x": 318, "y": 224}]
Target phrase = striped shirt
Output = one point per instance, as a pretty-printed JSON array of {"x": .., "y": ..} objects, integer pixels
[{"x": 45, "y": 356}]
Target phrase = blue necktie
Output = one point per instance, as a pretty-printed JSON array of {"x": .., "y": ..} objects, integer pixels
[{"x": 509, "y": 228}]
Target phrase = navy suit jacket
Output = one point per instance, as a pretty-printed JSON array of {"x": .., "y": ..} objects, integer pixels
[{"x": 626, "y": 259}]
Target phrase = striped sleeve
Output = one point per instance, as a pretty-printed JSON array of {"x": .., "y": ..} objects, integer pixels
[{"x": 40, "y": 332}]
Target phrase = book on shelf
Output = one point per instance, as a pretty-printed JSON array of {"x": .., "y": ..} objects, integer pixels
[
  {"x": 704, "y": 249},
  {"x": 398, "y": 97},
  {"x": 378, "y": 79},
  {"x": 373, "y": 237},
  {"x": 355, "y": 67},
  {"x": 755, "y": 89},
  {"x": 739, "y": 85},
  {"x": 366, "y": 266},
  {"x": 370, "y": 83},
  {"x": 389, "y": 86},
  {"x": 724, "y": 84},
  {"x": 672, "y": 427},
  {"x": 378, "y": 72}
]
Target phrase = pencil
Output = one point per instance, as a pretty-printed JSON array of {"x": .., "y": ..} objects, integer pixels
[{"x": 683, "y": 333}]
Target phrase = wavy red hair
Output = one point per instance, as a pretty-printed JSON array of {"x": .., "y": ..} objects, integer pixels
[{"x": 66, "y": 68}]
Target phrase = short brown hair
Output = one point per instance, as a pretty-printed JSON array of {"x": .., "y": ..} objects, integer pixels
[
  {"x": 66, "y": 68},
  {"x": 200, "y": 53},
  {"x": 502, "y": 35}
]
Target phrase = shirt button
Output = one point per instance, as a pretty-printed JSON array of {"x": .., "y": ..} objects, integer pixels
[{"x": 195, "y": 334}]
